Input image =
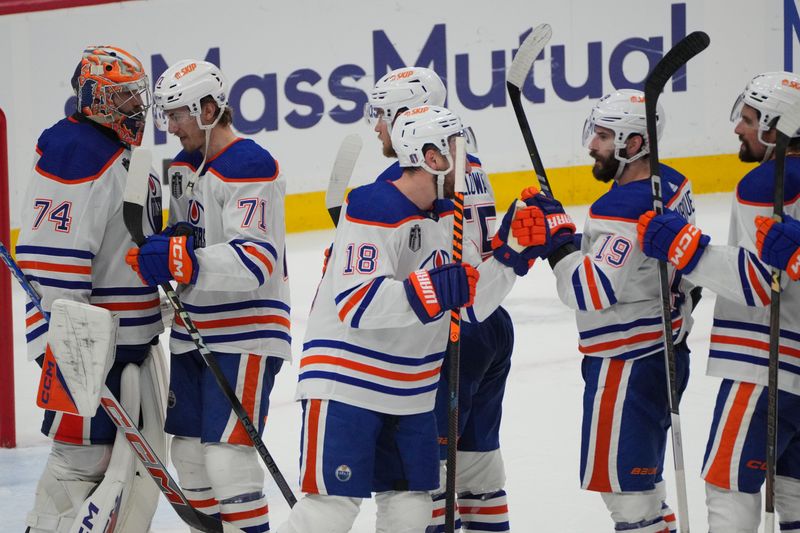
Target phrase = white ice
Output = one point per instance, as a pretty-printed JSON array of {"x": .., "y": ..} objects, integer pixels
[{"x": 541, "y": 420}]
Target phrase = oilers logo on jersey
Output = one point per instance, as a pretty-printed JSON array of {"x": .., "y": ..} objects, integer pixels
[
  {"x": 436, "y": 259},
  {"x": 194, "y": 215}
]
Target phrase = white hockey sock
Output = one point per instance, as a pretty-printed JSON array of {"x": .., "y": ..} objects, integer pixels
[
  {"x": 787, "y": 503},
  {"x": 187, "y": 456},
  {"x": 248, "y": 512},
  {"x": 669, "y": 517},
  {"x": 484, "y": 512},
  {"x": 437, "y": 516}
]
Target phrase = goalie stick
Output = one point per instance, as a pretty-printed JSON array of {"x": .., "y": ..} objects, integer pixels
[
  {"x": 528, "y": 51},
  {"x": 132, "y": 208},
  {"x": 141, "y": 448},
  {"x": 341, "y": 172},
  {"x": 454, "y": 341},
  {"x": 677, "y": 57},
  {"x": 787, "y": 126}
]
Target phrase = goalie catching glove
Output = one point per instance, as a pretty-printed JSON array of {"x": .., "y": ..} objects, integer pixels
[
  {"x": 669, "y": 237},
  {"x": 778, "y": 244},
  {"x": 430, "y": 292},
  {"x": 161, "y": 259}
]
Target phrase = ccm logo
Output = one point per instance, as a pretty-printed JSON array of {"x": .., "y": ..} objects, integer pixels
[
  {"x": 47, "y": 382},
  {"x": 177, "y": 257},
  {"x": 684, "y": 242},
  {"x": 756, "y": 465},
  {"x": 791, "y": 83},
  {"x": 185, "y": 70}
]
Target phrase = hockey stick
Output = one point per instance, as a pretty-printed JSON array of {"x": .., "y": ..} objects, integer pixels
[
  {"x": 528, "y": 51},
  {"x": 786, "y": 127},
  {"x": 132, "y": 207},
  {"x": 341, "y": 172},
  {"x": 673, "y": 60},
  {"x": 454, "y": 341},
  {"x": 139, "y": 445}
]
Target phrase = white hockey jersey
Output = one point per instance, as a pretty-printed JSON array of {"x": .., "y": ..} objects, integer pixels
[
  {"x": 740, "y": 335},
  {"x": 240, "y": 301},
  {"x": 73, "y": 240},
  {"x": 364, "y": 344},
  {"x": 612, "y": 285}
]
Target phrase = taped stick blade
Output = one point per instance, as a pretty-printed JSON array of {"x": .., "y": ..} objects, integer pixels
[{"x": 528, "y": 51}]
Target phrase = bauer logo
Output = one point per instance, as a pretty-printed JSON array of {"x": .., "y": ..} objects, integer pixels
[{"x": 343, "y": 473}]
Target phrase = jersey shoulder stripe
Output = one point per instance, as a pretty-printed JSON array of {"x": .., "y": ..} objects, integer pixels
[
  {"x": 394, "y": 171},
  {"x": 382, "y": 204},
  {"x": 756, "y": 188},
  {"x": 73, "y": 152},
  {"x": 244, "y": 161},
  {"x": 628, "y": 202}
]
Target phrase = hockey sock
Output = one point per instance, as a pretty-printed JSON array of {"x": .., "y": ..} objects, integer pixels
[
  {"x": 437, "y": 516},
  {"x": 669, "y": 517},
  {"x": 484, "y": 512},
  {"x": 248, "y": 512}
]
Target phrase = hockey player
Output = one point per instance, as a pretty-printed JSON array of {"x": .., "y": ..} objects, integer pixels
[
  {"x": 486, "y": 346},
  {"x": 614, "y": 290},
  {"x": 69, "y": 247},
  {"x": 377, "y": 333},
  {"x": 227, "y": 223},
  {"x": 734, "y": 463}
]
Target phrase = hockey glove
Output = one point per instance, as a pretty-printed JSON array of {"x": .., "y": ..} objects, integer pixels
[
  {"x": 181, "y": 229},
  {"x": 161, "y": 259},
  {"x": 430, "y": 292},
  {"x": 778, "y": 244},
  {"x": 559, "y": 223},
  {"x": 529, "y": 222},
  {"x": 668, "y": 237}
]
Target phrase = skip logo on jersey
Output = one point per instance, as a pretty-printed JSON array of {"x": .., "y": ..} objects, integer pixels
[
  {"x": 684, "y": 246},
  {"x": 415, "y": 238}
]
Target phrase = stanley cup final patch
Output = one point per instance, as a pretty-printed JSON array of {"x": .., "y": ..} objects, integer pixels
[
  {"x": 176, "y": 181},
  {"x": 415, "y": 238}
]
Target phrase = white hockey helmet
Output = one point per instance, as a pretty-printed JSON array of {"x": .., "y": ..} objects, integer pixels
[
  {"x": 623, "y": 112},
  {"x": 423, "y": 125},
  {"x": 403, "y": 89},
  {"x": 771, "y": 94},
  {"x": 186, "y": 83}
]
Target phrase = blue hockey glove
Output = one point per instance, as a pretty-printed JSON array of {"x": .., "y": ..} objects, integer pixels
[
  {"x": 526, "y": 224},
  {"x": 668, "y": 237},
  {"x": 778, "y": 244},
  {"x": 180, "y": 229},
  {"x": 440, "y": 289},
  {"x": 559, "y": 224},
  {"x": 161, "y": 259}
]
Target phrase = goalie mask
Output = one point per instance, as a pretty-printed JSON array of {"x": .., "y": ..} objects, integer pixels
[
  {"x": 402, "y": 89},
  {"x": 113, "y": 90},
  {"x": 186, "y": 83},
  {"x": 771, "y": 94},
  {"x": 622, "y": 112},
  {"x": 420, "y": 127}
]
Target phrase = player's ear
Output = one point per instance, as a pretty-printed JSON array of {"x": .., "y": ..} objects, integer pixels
[
  {"x": 433, "y": 157},
  {"x": 634, "y": 145}
]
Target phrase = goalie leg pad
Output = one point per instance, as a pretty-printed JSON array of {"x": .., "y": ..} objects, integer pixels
[
  {"x": 318, "y": 512},
  {"x": 731, "y": 511},
  {"x": 238, "y": 482},
  {"x": 403, "y": 511},
  {"x": 636, "y": 511},
  {"x": 189, "y": 461},
  {"x": 70, "y": 474},
  {"x": 787, "y": 503}
]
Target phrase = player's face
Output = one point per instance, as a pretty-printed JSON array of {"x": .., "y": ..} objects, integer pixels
[
  {"x": 601, "y": 149},
  {"x": 383, "y": 129},
  {"x": 751, "y": 149},
  {"x": 184, "y": 126}
]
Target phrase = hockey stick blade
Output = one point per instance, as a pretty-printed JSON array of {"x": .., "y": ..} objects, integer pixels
[
  {"x": 341, "y": 172},
  {"x": 136, "y": 192},
  {"x": 528, "y": 51},
  {"x": 679, "y": 55}
]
